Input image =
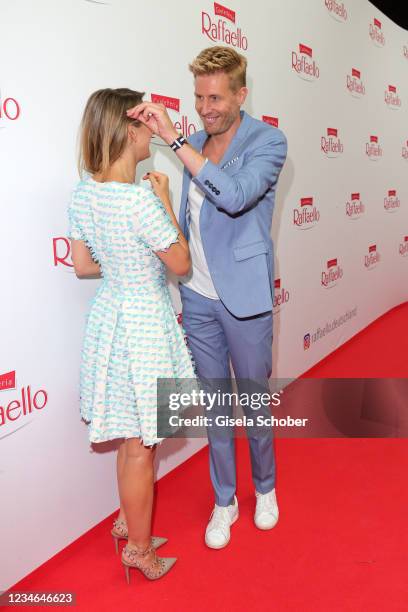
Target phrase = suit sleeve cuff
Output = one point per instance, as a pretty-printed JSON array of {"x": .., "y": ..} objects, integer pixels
[{"x": 203, "y": 178}]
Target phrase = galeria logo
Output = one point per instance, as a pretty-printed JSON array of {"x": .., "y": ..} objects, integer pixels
[
  {"x": 376, "y": 34},
  {"x": 218, "y": 30},
  {"x": 304, "y": 65},
  {"x": 391, "y": 98},
  {"x": 403, "y": 247},
  {"x": 281, "y": 296},
  {"x": 392, "y": 201},
  {"x": 183, "y": 125},
  {"x": 405, "y": 150},
  {"x": 336, "y": 10},
  {"x": 354, "y": 84},
  {"x": 171, "y": 103},
  {"x": 373, "y": 257},
  {"x": 9, "y": 110},
  {"x": 331, "y": 144},
  {"x": 273, "y": 121},
  {"x": 373, "y": 149},
  {"x": 8, "y": 381},
  {"x": 306, "y": 215},
  {"x": 27, "y": 402},
  {"x": 332, "y": 274},
  {"x": 354, "y": 207}
]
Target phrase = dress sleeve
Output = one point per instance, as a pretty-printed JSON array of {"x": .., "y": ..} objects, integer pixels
[
  {"x": 154, "y": 224},
  {"x": 74, "y": 229}
]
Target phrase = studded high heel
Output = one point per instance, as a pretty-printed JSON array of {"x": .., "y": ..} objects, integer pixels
[
  {"x": 133, "y": 558},
  {"x": 120, "y": 532}
]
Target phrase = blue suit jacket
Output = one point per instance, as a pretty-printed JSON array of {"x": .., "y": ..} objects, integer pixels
[{"x": 236, "y": 214}]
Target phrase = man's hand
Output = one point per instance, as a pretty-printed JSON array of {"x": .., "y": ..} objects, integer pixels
[{"x": 156, "y": 118}]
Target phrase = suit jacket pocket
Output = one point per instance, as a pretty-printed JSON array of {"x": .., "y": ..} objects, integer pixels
[{"x": 250, "y": 250}]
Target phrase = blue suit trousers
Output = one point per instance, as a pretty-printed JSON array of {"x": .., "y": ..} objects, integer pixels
[{"x": 215, "y": 336}]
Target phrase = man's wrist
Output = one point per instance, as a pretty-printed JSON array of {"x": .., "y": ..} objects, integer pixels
[{"x": 171, "y": 137}]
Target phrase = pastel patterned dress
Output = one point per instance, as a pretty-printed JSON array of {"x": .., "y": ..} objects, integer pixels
[{"x": 132, "y": 336}]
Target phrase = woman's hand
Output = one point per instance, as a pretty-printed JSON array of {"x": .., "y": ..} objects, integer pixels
[{"x": 160, "y": 185}]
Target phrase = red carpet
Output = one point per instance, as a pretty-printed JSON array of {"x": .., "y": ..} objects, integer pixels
[
  {"x": 340, "y": 544},
  {"x": 379, "y": 351}
]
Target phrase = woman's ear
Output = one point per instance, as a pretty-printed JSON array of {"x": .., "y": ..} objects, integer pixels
[{"x": 132, "y": 133}]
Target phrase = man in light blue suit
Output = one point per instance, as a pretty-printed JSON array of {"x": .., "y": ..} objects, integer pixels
[{"x": 230, "y": 176}]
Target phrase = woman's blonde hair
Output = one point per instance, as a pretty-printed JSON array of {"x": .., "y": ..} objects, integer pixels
[
  {"x": 104, "y": 128},
  {"x": 221, "y": 59}
]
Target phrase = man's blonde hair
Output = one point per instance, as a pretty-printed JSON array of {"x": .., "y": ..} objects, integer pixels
[
  {"x": 104, "y": 128},
  {"x": 221, "y": 59}
]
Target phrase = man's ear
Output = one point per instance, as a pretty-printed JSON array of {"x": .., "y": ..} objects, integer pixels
[{"x": 242, "y": 94}]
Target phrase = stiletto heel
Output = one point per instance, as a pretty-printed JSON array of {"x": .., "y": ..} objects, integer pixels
[
  {"x": 133, "y": 558},
  {"x": 120, "y": 532}
]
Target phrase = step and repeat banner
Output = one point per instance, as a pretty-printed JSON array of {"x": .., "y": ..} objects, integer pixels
[{"x": 332, "y": 75}]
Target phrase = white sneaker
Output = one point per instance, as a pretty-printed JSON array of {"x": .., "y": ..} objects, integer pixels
[
  {"x": 266, "y": 512},
  {"x": 217, "y": 534}
]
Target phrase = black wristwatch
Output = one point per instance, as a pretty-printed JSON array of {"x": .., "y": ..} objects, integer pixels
[{"x": 178, "y": 143}]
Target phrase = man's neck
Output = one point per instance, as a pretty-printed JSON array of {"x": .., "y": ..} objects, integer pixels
[{"x": 219, "y": 143}]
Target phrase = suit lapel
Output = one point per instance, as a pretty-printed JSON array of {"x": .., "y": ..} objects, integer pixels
[
  {"x": 230, "y": 156},
  {"x": 235, "y": 144},
  {"x": 197, "y": 141}
]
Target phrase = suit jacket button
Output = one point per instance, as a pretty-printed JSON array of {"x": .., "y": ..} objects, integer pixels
[
  {"x": 206, "y": 182},
  {"x": 218, "y": 192},
  {"x": 214, "y": 189}
]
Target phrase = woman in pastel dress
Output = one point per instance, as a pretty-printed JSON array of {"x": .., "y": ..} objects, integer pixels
[{"x": 128, "y": 234}]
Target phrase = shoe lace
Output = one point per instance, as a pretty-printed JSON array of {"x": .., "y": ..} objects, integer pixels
[
  {"x": 265, "y": 503},
  {"x": 220, "y": 519}
]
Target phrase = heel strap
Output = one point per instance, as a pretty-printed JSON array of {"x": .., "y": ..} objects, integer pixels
[
  {"x": 120, "y": 528},
  {"x": 137, "y": 552}
]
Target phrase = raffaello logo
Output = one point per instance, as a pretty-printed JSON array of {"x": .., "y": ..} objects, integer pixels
[
  {"x": 183, "y": 124},
  {"x": 273, "y": 121},
  {"x": 218, "y": 30},
  {"x": 61, "y": 252},
  {"x": 391, "y": 98},
  {"x": 354, "y": 84},
  {"x": 403, "y": 247},
  {"x": 392, "y": 202},
  {"x": 405, "y": 150},
  {"x": 332, "y": 274},
  {"x": 355, "y": 207},
  {"x": 376, "y": 34},
  {"x": 336, "y": 10},
  {"x": 24, "y": 403},
  {"x": 281, "y": 296},
  {"x": 373, "y": 257},
  {"x": 306, "y": 215},
  {"x": 373, "y": 149},
  {"x": 304, "y": 65},
  {"x": 9, "y": 110},
  {"x": 331, "y": 144}
]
